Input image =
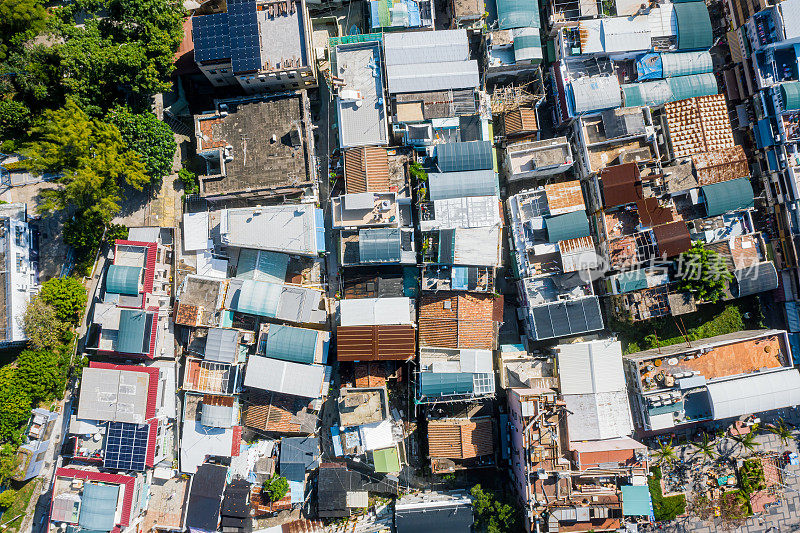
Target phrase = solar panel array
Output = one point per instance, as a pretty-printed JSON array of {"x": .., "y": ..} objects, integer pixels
[
  {"x": 126, "y": 446},
  {"x": 211, "y": 35},
  {"x": 245, "y": 43}
]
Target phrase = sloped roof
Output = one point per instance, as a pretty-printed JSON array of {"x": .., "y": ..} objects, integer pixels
[
  {"x": 460, "y": 439},
  {"x": 590, "y": 367},
  {"x": 567, "y": 226},
  {"x": 446, "y": 185},
  {"x": 727, "y": 196},
  {"x": 291, "y": 344},
  {"x": 673, "y": 238},
  {"x": 366, "y": 169},
  {"x": 757, "y": 278},
  {"x": 694, "y": 26},
  {"x": 754, "y": 393},
  {"x": 123, "y": 279},
  {"x": 455, "y": 320},
  {"x": 461, "y": 156},
  {"x": 222, "y": 345},
  {"x": 560, "y": 319},
  {"x": 284, "y": 376},
  {"x": 98, "y": 506},
  {"x": 376, "y": 343},
  {"x": 621, "y": 184}
]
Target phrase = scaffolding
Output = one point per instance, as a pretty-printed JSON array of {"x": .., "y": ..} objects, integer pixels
[{"x": 509, "y": 97}]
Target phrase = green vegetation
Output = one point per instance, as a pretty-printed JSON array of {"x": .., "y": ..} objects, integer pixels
[
  {"x": 144, "y": 134},
  {"x": 7, "y": 498},
  {"x": 275, "y": 488},
  {"x": 708, "y": 321},
  {"x": 705, "y": 447},
  {"x": 116, "y": 232},
  {"x": 417, "y": 172},
  {"x": 41, "y": 324},
  {"x": 190, "y": 183},
  {"x": 751, "y": 477},
  {"x": 67, "y": 296},
  {"x": 493, "y": 515},
  {"x": 664, "y": 508},
  {"x": 665, "y": 453},
  {"x": 782, "y": 431},
  {"x": 18, "y": 507},
  {"x": 703, "y": 272}
]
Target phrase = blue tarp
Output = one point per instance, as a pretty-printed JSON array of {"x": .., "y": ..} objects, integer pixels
[
  {"x": 764, "y": 137},
  {"x": 648, "y": 67},
  {"x": 459, "y": 278},
  {"x": 320, "y": 230}
]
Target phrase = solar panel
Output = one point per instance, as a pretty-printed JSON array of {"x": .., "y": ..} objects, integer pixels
[
  {"x": 126, "y": 446},
  {"x": 211, "y": 35},
  {"x": 245, "y": 42}
]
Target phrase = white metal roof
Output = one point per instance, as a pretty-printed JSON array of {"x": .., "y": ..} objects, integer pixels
[
  {"x": 754, "y": 393},
  {"x": 286, "y": 228},
  {"x": 195, "y": 231},
  {"x": 404, "y": 48},
  {"x": 376, "y": 435},
  {"x": 623, "y": 34},
  {"x": 284, "y": 376},
  {"x": 419, "y": 77},
  {"x": 591, "y": 367},
  {"x": 375, "y": 311},
  {"x": 604, "y": 415},
  {"x": 469, "y": 212},
  {"x": 477, "y": 246},
  {"x": 596, "y": 93},
  {"x": 791, "y": 18}
]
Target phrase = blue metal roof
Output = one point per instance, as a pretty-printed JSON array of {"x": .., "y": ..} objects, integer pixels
[
  {"x": 262, "y": 265},
  {"x": 727, "y": 196},
  {"x": 460, "y": 156},
  {"x": 258, "y": 298},
  {"x": 446, "y": 185},
  {"x": 132, "y": 336},
  {"x": 441, "y": 384},
  {"x": 379, "y": 245},
  {"x": 98, "y": 506},
  {"x": 567, "y": 226},
  {"x": 291, "y": 344},
  {"x": 636, "y": 500}
]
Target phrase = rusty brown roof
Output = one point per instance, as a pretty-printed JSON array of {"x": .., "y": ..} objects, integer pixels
[
  {"x": 651, "y": 213},
  {"x": 721, "y": 165},
  {"x": 563, "y": 196},
  {"x": 699, "y": 124},
  {"x": 673, "y": 238},
  {"x": 267, "y": 411},
  {"x": 460, "y": 439},
  {"x": 621, "y": 184},
  {"x": 454, "y": 320},
  {"x": 375, "y": 343},
  {"x": 521, "y": 120},
  {"x": 366, "y": 169},
  {"x": 187, "y": 315}
]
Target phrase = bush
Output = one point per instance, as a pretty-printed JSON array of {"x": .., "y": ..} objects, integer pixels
[
  {"x": 7, "y": 498},
  {"x": 664, "y": 508},
  {"x": 751, "y": 477},
  {"x": 275, "y": 488},
  {"x": 492, "y": 515},
  {"x": 189, "y": 179},
  {"x": 67, "y": 296},
  {"x": 706, "y": 274}
]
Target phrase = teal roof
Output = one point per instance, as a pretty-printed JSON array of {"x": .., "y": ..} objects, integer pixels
[
  {"x": 262, "y": 265},
  {"x": 694, "y": 26},
  {"x": 636, "y": 500},
  {"x": 567, "y": 226},
  {"x": 459, "y": 156},
  {"x": 446, "y": 185},
  {"x": 727, "y": 196},
  {"x": 122, "y": 279},
  {"x": 657, "y": 92},
  {"x": 632, "y": 280},
  {"x": 98, "y": 506},
  {"x": 528, "y": 46},
  {"x": 686, "y": 63},
  {"x": 291, "y": 344},
  {"x": 132, "y": 335},
  {"x": 441, "y": 384},
  {"x": 518, "y": 14},
  {"x": 790, "y": 94},
  {"x": 258, "y": 298}
]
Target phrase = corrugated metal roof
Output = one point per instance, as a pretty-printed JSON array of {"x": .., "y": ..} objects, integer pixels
[
  {"x": 375, "y": 343},
  {"x": 262, "y": 265},
  {"x": 216, "y": 416},
  {"x": 291, "y": 344},
  {"x": 258, "y": 298},
  {"x": 632, "y": 280},
  {"x": 527, "y": 44},
  {"x": 379, "y": 245},
  {"x": 754, "y": 393},
  {"x": 98, "y": 507},
  {"x": 461, "y": 156},
  {"x": 520, "y": 120},
  {"x": 375, "y": 311},
  {"x": 621, "y": 184},
  {"x": 445, "y": 185},
  {"x": 284, "y": 376},
  {"x": 366, "y": 169},
  {"x": 759, "y": 277},
  {"x": 595, "y": 93},
  {"x": 591, "y": 367},
  {"x": 567, "y": 226},
  {"x": 386, "y": 460},
  {"x": 518, "y": 14},
  {"x": 727, "y": 196},
  {"x": 460, "y": 438},
  {"x": 132, "y": 337},
  {"x": 685, "y": 63},
  {"x": 673, "y": 238},
  {"x": 406, "y": 48},
  {"x": 602, "y": 415},
  {"x": 657, "y": 92},
  {"x": 122, "y": 279},
  {"x": 790, "y": 95},
  {"x": 445, "y": 384},
  {"x": 411, "y": 78},
  {"x": 694, "y": 26},
  {"x": 222, "y": 345}
]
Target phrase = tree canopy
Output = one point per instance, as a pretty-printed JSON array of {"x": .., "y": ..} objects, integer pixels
[
  {"x": 704, "y": 273},
  {"x": 15, "y": 405},
  {"x": 41, "y": 324},
  {"x": 67, "y": 296},
  {"x": 276, "y": 488},
  {"x": 40, "y": 372},
  {"x": 492, "y": 515},
  {"x": 149, "y": 137},
  {"x": 93, "y": 160},
  {"x": 19, "y": 20}
]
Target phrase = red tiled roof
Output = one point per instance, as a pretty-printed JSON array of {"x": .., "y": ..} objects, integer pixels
[
  {"x": 153, "y": 332},
  {"x": 152, "y": 392},
  {"x": 151, "y": 444},
  {"x": 102, "y": 477},
  {"x": 460, "y": 439},
  {"x": 455, "y": 320}
]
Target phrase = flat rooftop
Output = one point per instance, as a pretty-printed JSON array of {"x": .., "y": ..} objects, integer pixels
[
  {"x": 362, "y": 118},
  {"x": 283, "y": 36},
  {"x": 365, "y": 209},
  {"x": 530, "y": 156},
  {"x": 258, "y": 146}
]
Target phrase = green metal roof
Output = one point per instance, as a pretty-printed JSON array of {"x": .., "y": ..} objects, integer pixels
[
  {"x": 727, "y": 196},
  {"x": 686, "y": 63},
  {"x": 684, "y": 87},
  {"x": 386, "y": 460},
  {"x": 636, "y": 500},
  {"x": 567, "y": 226},
  {"x": 694, "y": 26},
  {"x": 258, "y": 298},
  {"x": 528, "y": 45},
  {"x": 442, "y": 384},
  {"x": 122, "y": 279},
  {"x": 790, "y": 94},
  {"x": 657, "y": 92},
  {"x": 633, "y": 280},
  {"x": 132, "y": 337},
  {"x": 518, "y": 14},
  {"x": 291, "y": 344},
  {"x": 98, "y": 506}
]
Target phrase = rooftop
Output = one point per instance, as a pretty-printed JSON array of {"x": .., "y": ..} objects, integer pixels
[
  {"x": 360, "y": 104},
  {"x": 285, "y": 377},
  {"x": 290, "y": 229},
  {"x": 536, "y": 156},
  {"x": 699, "y": 124},
  {"x": 376, "y": 342},
  {"x": 255, "y": 147},
  {"x": 454, "y": 320},
  {"x": 118, "y": 393},
  {"x": 362, "y": 406},
  {"x": 199, "y": 300},
  {"x": 460, "y": 438},
  {"x": 199, "y": 441},
  {"x": 280, "y": 413},
  {"x": 283, "y": 36},
  {"x": 366, "y": 169},
  {"x": 366, "y": 209}
]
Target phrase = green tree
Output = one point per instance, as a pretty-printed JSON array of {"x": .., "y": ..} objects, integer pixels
[
  {"x": 39, "y": 374},
  {"x": 9, "y": 462},
  {"x": 20, "y": 20},
  {"x": 706, "y": 447},
  {"x": 780, "y": 429},
  {"x": 41, "y": 324},
  {"x": 7, "y": 498},
  {"x": 275, "y": 488},
  {"x": 15, "y": 405},
  {"x": 67, "y": 296},
  {"x": 747, "y": 441},
  {"x": 116, "y": 232},
  {"x": 492, "y": 515},
  {"x": 15, "y": 118},
  {"x": 665, "y": 453},
  {"x": 92, "y": 158},
  {"x": 149, "y": 137},
  {"x": 189, "y": 179},
  {"x": 703, "y": 273}
]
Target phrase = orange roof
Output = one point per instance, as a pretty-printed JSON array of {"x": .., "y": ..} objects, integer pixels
[
  {"x": 460, "y": 438},
  {"x": 699, "y": 124},
  {"x": 451, "y": 320},
  {"x": 563, "y": 196},
  {"x": 366, "y": 169}
]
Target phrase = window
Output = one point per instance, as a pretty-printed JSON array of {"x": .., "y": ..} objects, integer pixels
[
  {"x": 223, "y": 71},
  {"x": 212, "y": 71}
]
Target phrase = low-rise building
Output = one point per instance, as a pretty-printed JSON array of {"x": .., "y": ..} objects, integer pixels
[
  {"x": 32, "y": 455},
  {"x": 20, "y": 276}
]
